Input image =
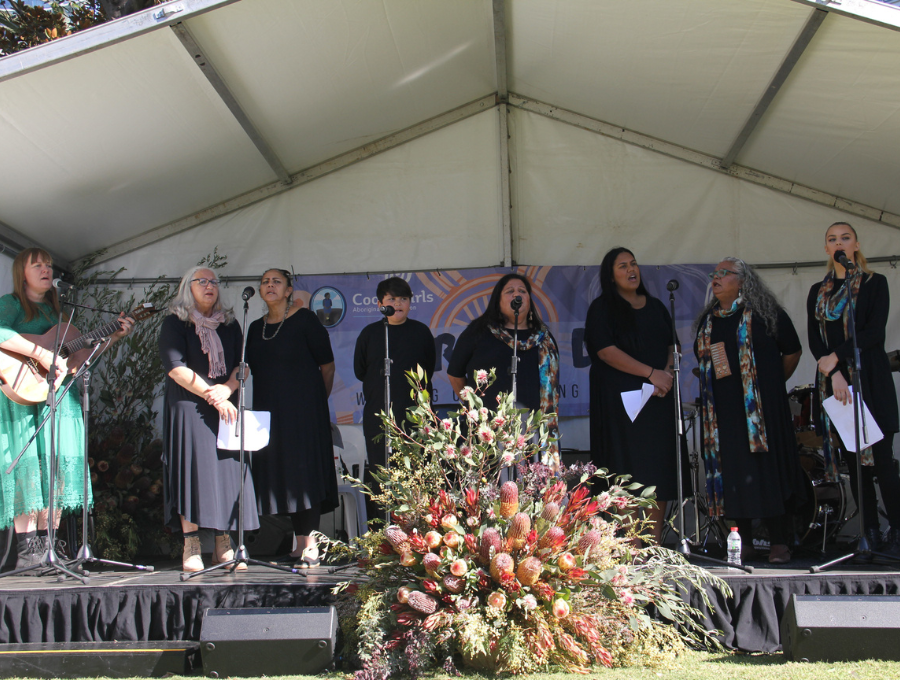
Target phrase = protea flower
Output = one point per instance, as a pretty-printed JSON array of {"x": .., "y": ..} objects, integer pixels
[
  {"x": 433, "y": 539},
  {"x": 408, "y": 559},
  {"x": 518, "y": 530},
  {"x": 509, "y": 499},
  {"x": 529, "y": 571},
  {"x": 403, "y": 594},
  {"x": 489, "y": 539},
  {"x": 459, "y": 567},
  {"x": 422, "y": 603},
  {"x": 451, "y": 539},
  {"x": 560, "y": 608},
  {"x": 502, "y": 564},
  {"x": 497, "y": 600},
  {"x": 566, "y": 561}
]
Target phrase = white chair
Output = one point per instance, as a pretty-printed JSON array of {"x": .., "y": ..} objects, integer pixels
[{"x": 350, "y": 451}]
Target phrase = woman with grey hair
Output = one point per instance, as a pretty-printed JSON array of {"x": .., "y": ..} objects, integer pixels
[
  {"x": 747, "y": 348},
  {"x": 200, "y": 347}
]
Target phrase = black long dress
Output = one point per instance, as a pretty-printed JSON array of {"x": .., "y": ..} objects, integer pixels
[
  {"x": 296, "y": 470},
  {"x": 763, "y": 484},
  {"x": 411, "y": 345},
  {"x": 201, "y": 481},
  {"x": 482, "y": 350},
  {"x": 645, "y": 448}
]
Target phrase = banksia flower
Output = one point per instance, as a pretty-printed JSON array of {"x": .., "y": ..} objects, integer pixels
[
  {"x": 552, "y": 540},
  {"x": 431, "y": 562},
  {"x": 502, "y": 564},
  {"x": 454, "y": 584},
  {"x": 588, "y": 542},
  {"x": 518, "y": 530},
  {"x": 489, "y": 539},
  {"x": 509, "y": 499},
  {"x": 551, "y": 510},
  {"x": 398, "y": 539},
  {"x": 529, "y": 571},
  {"x": 422, "y": 603}
]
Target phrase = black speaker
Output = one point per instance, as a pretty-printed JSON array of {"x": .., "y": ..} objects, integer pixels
[
  {"x": 841, "y": 628},
  {"x": 96, "y": 659},
  {"x": 279, "y": 641}
]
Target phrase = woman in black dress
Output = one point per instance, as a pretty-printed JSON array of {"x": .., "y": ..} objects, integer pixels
[
  {"x": 747, "y": 348},
  {"x": 628, "y": 334},
  {"x": 290, "y": 358},
  {"x": 411, "y": 344},
  {"x": 487, "y": 343},
  {"x": 200, "y": 347},
  {"x": 831, "y": 345}
]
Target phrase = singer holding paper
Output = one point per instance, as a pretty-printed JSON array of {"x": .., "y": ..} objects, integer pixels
[
  {"x": 747, "y": 348},
  {"x": 33, "y": 308},
  {"x": 290, "y": 357},
  {"x": 850, "y": 281},
  {"x": 628, "y": 334},
  {"x": 410, "y": 344},
  {"x": 200, "y": 347},
  {"x": 487, "y": 343}
]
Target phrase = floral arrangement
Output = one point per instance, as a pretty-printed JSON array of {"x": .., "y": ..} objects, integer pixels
[{"x": 508, "y": 572}]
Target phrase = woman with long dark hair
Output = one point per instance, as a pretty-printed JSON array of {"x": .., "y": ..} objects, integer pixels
[
  {"x": 747, "y": 348},
  {"x": 488, "y": 343},
  {"x": 831, "y": 345},
  {"x": 628, "y": 334}
]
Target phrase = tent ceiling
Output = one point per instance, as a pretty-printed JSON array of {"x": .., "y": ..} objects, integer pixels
[{"x": 117, "y": 132}]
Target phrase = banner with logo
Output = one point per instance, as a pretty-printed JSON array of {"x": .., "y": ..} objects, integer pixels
[{"x": 448, "y": 300}]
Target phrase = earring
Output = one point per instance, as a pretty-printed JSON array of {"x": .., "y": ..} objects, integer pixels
[{"x": 740, "y": 297}]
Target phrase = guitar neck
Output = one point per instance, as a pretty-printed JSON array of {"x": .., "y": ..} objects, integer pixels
[{"x": 84, "y": 341}]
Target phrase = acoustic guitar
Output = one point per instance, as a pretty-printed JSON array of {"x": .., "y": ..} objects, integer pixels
[{"x": 24, "y": 380}]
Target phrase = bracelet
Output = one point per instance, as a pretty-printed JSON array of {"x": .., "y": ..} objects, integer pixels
[{"x": 651, "y": 373}]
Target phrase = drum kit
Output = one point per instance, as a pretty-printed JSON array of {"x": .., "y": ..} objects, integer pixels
[{"x": 824, "y": 513}]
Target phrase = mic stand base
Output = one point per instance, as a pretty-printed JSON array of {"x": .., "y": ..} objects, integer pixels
[
  {"x": 241, "y": 556},
  {"x": 53, "y": 562}
]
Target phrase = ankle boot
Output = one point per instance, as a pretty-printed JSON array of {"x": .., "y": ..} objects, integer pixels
[
  {"x": 225, "y": 551},
  {"x": 191, "y": 559},
  {"x": 30, "y": 551}
]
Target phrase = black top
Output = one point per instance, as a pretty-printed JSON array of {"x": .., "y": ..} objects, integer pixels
[
  {"x": 645, "y": 448},
  {"x": 201, "y": 482},
  {"x": 757, "y": 484},
  {"x": 296, "y": 470},
  {"x": 872, "y": 305},
  {"x": 411, "y": 344},
  {"x": 481, "y": 350}
]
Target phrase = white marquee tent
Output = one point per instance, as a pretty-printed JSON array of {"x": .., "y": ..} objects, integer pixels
[{"x": 397, "y": 135}]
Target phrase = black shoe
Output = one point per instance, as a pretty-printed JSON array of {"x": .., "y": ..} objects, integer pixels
[{"x": 30, "y": 551}]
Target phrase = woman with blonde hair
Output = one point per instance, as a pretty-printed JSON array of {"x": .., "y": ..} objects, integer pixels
[
  {"x": 200, "y": 346},
  {"x": 831, "y": 345}
]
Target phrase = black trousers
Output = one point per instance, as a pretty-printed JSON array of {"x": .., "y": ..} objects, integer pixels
[{"x": 885, "y": 470}]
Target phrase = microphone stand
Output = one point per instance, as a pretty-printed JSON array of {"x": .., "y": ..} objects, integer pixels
[
  {"x": 863, "y": 549},
  {"x": 50, "y": 560},
  {"x": 388, "y": 311},
  {"x": 683, "y": 544},
  {"x": 516, "y": 305},
  {"x": 241, "y": 555}
]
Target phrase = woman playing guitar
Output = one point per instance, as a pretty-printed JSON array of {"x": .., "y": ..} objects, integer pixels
[{"x": 33, "y": 308}]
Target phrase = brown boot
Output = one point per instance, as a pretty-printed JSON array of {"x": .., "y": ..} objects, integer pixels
[
  {"x": 224, "y": 551},
  {"x": 191, "y": 559}
]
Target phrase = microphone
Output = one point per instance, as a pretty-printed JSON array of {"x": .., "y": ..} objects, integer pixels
[
  {"x": 672, "y": 285},
  {"x": 841, "y": 258},
  {"x": 387, "y": 310},
  {"x": 516, "y": 303},
  {"x": 62, "y": 286},
  {"x": 248, "y": 293}
]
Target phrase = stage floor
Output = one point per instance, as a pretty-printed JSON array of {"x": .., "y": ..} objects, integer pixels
[{"x": 122, "y": 605}]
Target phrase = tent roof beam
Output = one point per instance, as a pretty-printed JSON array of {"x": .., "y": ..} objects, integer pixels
[
  {"x": 790, "y": 61},
  {"x": 300, "y": 178},
  {"x": 204, "y": 63},
  {"x": 12, "y": 240},
  {"x": 98, "y": 37},
  {"x": 704, "y": 160},
  {"x": 869, "y": 11}
]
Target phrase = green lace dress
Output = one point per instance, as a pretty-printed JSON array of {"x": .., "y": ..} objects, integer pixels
[{"x": 27, "y": 487}]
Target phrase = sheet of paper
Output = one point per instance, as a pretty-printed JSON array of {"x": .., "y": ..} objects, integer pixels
[
  {"x": 842, "y": 417},
  {"x": 634, "y": 401},
  {"x": 256, "y": 432}
]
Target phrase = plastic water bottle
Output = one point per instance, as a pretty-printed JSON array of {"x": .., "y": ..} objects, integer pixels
[{"x": 733, "y": 543}]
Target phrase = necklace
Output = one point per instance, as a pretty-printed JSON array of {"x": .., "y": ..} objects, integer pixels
[{"x": 265, "y": 318}]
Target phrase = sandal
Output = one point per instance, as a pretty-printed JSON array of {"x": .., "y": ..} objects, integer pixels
[{"x": 309, "y": 559}]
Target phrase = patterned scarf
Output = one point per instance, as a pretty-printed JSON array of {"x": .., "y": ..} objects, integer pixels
[
  {"x": 756, "y": 426},
  {"x": 209, "y": 340},
  {"x": 548, "y": 365},
  {"x": 833, "y": 308}
]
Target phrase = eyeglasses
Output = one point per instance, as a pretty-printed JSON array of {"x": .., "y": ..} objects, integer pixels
[
  {"x": 720, "y": 274},
  {"x": 206, "y": 282}
]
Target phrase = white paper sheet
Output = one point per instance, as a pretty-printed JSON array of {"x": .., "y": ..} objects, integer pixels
[
  {"x": 842, "y": 417},
  {"x": 256, "y": 432},
  {"x": 634, "y": 401}
]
